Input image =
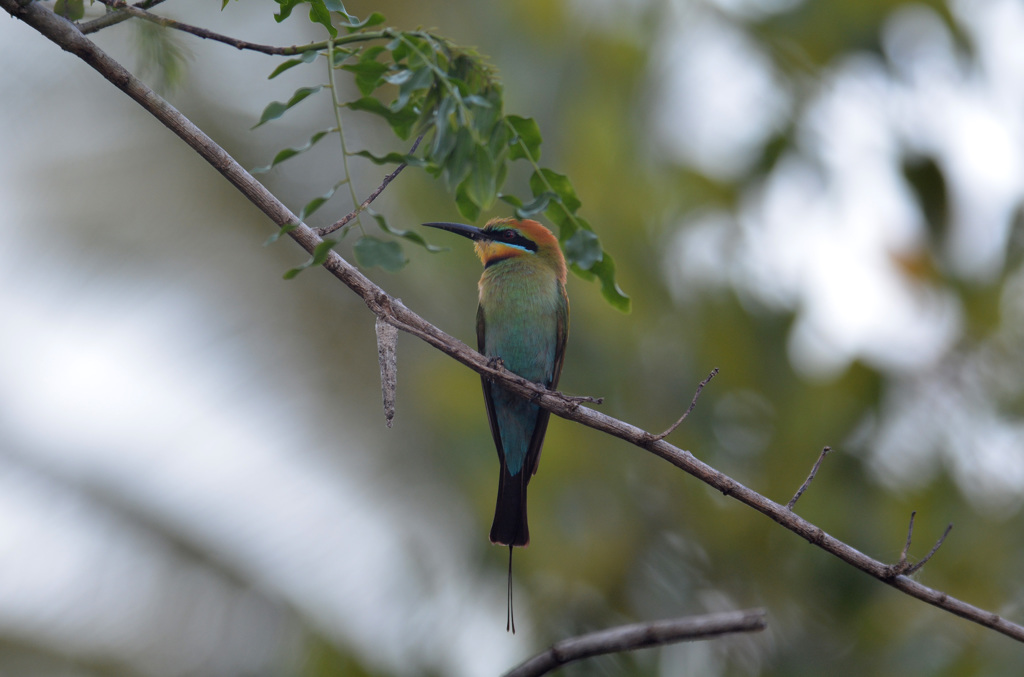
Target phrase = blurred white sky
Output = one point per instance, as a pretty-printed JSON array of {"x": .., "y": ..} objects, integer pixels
[{"x": 826, "y": 234}]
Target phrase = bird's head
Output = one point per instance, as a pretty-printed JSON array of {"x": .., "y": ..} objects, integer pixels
[{"x": 503, "y": 239}]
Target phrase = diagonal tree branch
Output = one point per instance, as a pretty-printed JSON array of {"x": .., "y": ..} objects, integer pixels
[
  {"x": 639, "y": 636},
  {"x": 391, "y": 310}
]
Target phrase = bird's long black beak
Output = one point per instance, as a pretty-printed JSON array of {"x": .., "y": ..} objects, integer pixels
[{"x": 472, "y": 232}]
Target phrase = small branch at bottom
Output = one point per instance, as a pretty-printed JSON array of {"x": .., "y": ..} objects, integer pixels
[{"x": 639, "y": 636}]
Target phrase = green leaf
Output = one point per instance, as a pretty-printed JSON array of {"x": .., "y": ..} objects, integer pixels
[
  {"x": 375, "y": 19},
  {"x": 398, "y": 77},
  {"x": 583, "y": 249},
  {"x": 339, "y": 7},
  {"x": 499, "y": 143},
  {"x": 443, "y": 143},
  {"x": 526, "y": 142},
  {"x": 409, "y": 235},
  {"x": 368, "y": 71},
  {"x": 401, "y": 121},
  {"x": 276, "y": 109},
  {"x": 341, "y": 55},
  {"x": 547, "y": 180},
  {"x": 419, "y": 79},
  {"x": 568, "y": 224},
  {"x": 320, "y": 254},
  {"x": 286, "y": 9},
  {"x": 605, "y": 271},
  {"x": 538, "y": 205},
  {"x": 444, "y": 132},
  {"x": 319, "y": 14},
  {"x": 398, "y": 47},
  {"x": 307, "y": 57},
  {"x": 292, "y": 152},
  {"x": 284, "y": 230},
  {"x": 499, "y": 175},
  {"x": 480, "y": 185},
  {"x": 391, "y": 158},
  {"x": 318, "y": 202},
  {"x": 511, "y": 199},
  {"x": 459, "y": 162},
  {"x": 477, "y": 100},
  {"x": 72, "y": 10},
  {"x": 483, "y": 118},
  {"x": 387, "y": 254},
  {"x": 467, "y": 207}
]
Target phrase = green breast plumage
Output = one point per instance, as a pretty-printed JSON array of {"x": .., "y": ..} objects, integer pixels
[{"x": 522, "y": 319}]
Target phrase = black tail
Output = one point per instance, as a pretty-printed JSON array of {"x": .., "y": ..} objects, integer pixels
[{"x": 509, "y": 526}]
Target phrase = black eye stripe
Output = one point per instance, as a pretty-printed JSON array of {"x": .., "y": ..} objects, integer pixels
[{"x": 512, "y": 236}]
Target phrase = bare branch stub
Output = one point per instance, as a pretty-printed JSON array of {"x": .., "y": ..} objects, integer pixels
[
  {"x": 693, "y": 403},
  {"x": 935, "y": 549},
  {"x": 910, "y": 536},
  {"x": 810, "y": 478},
  {"x": 903, "y": 567},
  {"x": 639, "y": 636}
]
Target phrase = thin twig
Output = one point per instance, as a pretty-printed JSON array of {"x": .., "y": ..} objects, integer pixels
[
  {"x": 910, "y": 536},
  {"x": 113, "y": 17},
  {"x": 693, "y": 403},
  {"x": 810, "y": 478},
  {"x": 639, "y": 636},
  {"x": 343, "y": 221},
  {"x": 935, "y": 549},
  {"x": 68, "y": 37},
  {"x": 903, "y": 567},
  {"x": 132, "y": 11}
]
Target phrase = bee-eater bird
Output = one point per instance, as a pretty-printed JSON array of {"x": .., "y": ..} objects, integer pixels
[{"x": 523, "y": 320}]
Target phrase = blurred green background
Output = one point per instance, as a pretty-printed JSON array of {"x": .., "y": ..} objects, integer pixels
[{"x": 822, "y": 199}]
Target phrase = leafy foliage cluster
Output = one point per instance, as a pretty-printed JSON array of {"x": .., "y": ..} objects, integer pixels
[{"x": 446, "y": 96}]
